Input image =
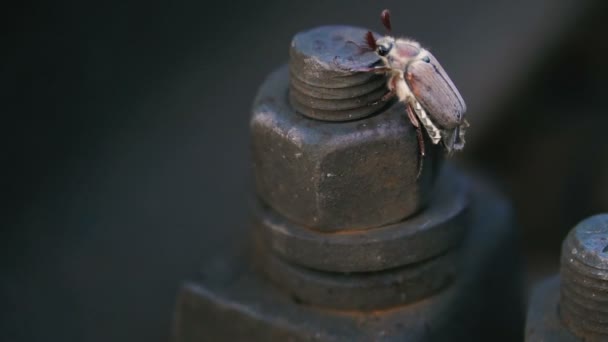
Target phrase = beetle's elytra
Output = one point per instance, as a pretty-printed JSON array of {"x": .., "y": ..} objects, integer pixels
[{"x": 418, "y": 80}]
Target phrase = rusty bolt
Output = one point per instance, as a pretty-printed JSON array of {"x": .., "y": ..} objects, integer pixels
[
  {"x": 584, "y": 279},
  {"x": 321, "y": 87},
  {"x": 339, "y": 175},
  {"x": 359, "y": 235}
]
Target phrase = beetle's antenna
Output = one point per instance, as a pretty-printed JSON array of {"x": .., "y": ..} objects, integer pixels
[
  {"x": 371, "y": 41},
  {"x": 386, "y": 20}
]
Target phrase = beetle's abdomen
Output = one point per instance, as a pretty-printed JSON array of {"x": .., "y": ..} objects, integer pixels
[{"x": 435, "y": 91}]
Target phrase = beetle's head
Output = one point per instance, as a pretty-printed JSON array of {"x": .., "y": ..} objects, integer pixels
[
  {"x": 395, "y": 53},
  {"x": 384, "y": 46}
]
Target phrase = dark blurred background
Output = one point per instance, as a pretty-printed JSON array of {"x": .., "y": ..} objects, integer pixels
[{"x": 125, "y": 143}]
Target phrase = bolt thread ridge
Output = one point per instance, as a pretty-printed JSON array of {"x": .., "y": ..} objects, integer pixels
[
  {"x": 584, "y": 276},
  {"x": 325, "y": 78}
]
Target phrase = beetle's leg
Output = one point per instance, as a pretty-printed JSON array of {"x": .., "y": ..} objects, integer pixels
[
  {"x": 392, "y": 92},
  {"x": 414, "y": 121},
  {"x": 376, "y": 69},
  {"x": 389, "y": 95},
  {"x": 385, "y": 98},
  {"x": 392, "y": 89}
]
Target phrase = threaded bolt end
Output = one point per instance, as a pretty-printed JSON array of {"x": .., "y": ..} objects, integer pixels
[
  {"x": 584, "y": 279},
  {"x": 324, "y": 81}
]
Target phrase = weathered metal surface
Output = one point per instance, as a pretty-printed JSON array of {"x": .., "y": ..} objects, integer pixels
[
  {"x": 354, "y": 178},
  {"x": 338, "y": 105},
  {"x": 323, "y": 56},
  {"x": 584, "y": 277},
  {"x": 587, "y": 244},
  {"x": 361, "y": 291},
  {"x": 574, "y": 305},
  {"x": 322, "y": 87},
  {"x": 543, "y": 323},
  {"x": 371, "y": 85},
  {"x": 438, "y": 228},
  {"x": 229, "y": 301},
  {"x": 339, "y": 176}
]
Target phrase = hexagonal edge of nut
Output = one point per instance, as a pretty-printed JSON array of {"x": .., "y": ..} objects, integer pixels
[
  {"x": 380, "y": 186},
  {"x": 438, "y": 228},
  {"x": 285, "y": 172}
]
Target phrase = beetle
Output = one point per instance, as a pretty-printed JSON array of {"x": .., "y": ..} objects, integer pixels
[{"x": 417, "y": 79}]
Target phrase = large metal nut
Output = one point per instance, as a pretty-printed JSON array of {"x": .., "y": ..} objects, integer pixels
[
  {"x": 433, "y": 231},
  {"x": 230, "y": 301},
  {"x": 364, "y": 290},
  {"x": 337, "y": 176}
]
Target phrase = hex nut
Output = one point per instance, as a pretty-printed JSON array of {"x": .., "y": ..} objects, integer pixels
[
  {"x": 433, "y": 231},
  {"x": 337, "y": 176},
  {"x": 229, "y": 300},
  {"x": 365, "y": 290}
]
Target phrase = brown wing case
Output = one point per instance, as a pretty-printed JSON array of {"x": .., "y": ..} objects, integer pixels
[{"x": 435, "y": 91}]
